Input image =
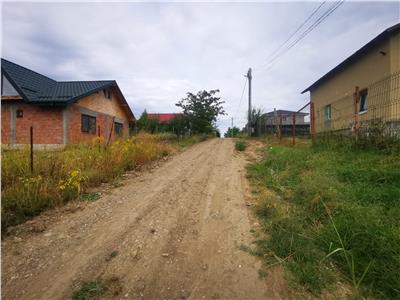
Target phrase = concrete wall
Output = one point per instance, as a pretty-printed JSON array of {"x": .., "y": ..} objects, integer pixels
[{"x": 370, "y": 72}]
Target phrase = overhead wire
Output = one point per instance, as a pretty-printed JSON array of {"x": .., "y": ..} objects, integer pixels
[
  {"x": 241, "y": 98},
  {"x": 296, "y": 31},
  {"x": 315, "y": 24}
]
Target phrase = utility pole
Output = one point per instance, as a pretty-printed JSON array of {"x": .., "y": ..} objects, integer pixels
[
  {"x": 232, "y": 128},
  {"x": 249, "y": 125}
]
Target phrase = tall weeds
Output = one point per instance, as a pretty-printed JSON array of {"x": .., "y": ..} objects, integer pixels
[{"x": 62, "y": 175}]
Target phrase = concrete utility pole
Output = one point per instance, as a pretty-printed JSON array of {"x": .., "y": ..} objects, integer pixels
[{"x": 249, "y": 127}]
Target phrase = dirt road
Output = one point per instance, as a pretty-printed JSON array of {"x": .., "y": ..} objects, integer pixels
[{"x": 170, "y": 233}]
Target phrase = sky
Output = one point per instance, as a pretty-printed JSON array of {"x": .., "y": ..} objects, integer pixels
[{"x": 157, "y": 52}]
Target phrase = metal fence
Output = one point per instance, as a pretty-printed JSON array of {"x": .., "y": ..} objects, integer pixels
[
  {"x": 285, "y": 123},
  {"x": 358, "y": 109}
]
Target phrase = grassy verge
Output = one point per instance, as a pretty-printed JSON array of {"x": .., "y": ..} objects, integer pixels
[
  {"x": 60, "y": 176},
  {"x": 333, "y": 215}
]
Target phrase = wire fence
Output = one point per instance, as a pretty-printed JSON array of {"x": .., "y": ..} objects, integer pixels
[
  {"x": 361, "y": 112},
  {"x": 356, "y": 111},
  {"x": 283, "y": 123}
]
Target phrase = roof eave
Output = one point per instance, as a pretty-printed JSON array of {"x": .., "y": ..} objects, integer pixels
[
  {"x": 356, "y": 55},
  {"x": 9, "y": 78},
  {"x": 76, "y": 98}
]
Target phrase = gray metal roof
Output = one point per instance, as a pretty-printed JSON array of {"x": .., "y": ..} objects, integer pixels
[{"x": 36, "y": 88}]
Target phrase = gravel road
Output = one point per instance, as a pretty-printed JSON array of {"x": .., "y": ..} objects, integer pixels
[{"x": 172, "y": 232}]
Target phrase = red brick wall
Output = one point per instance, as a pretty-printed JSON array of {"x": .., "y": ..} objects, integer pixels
[
  {"x": 104, "y": 123},
  {"x": 47, "y": 123},
  {"x": 5, "y": 124}
]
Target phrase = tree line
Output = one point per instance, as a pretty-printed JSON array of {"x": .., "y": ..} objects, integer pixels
[{"x": 199, "y": 116}]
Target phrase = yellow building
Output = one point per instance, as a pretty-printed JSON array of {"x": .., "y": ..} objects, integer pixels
[{"x": 364, "y": 87}]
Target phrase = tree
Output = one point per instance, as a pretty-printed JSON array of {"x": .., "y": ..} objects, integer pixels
[
  {"x": 232, "y": 132},
  {"x": 202, "y": 110},
  {"x": 179, "y": 125},
  {"x": 256, "y": 119},
  {"x": 146, "y": 124}
]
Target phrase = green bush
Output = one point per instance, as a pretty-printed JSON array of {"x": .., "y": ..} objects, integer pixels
[{"x": 240, "y": 145}]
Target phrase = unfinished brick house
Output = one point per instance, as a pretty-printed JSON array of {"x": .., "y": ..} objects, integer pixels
[{"x": 60, "y": 112}]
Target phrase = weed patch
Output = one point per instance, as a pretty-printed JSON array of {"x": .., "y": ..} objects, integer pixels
[
  {"x": 90, "y": 290},
  {"x": 89, "y": 197},
  {"x": 240, "y": 145}
]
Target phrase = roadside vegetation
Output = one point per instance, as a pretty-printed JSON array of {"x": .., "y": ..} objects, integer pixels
[
  {"x": 240, "y": 145},
  {"x": 90, "y": 290},
  {"x": 199, "y": 116},
  {"x": 64, "y": 175},
  {"x": 331, "y": 213}
]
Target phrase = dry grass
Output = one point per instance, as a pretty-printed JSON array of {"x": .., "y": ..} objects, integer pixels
[{"x": 62, "y": 175}]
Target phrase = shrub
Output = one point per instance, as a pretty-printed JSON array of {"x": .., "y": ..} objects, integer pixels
[{"x": 240, "y": 145}]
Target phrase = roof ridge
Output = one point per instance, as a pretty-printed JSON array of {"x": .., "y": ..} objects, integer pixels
[
  {"x": 3, "y": 59},
  {"x": 71, "y": 81}
]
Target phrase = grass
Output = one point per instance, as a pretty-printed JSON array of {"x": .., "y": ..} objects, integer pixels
[
  {"x": 90, "y": 290},
  {"x": 89, "y": 197},
  {"x": 333, "y": 215},
  {"x": 240, "y": 145},
  {"x": 64, "y": 175}
]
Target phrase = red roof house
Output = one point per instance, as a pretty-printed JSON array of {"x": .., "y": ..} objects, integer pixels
[{"x": 163, "y": 118}]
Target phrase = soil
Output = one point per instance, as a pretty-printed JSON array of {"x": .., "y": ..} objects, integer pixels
[{"x": 171, "y": 232}]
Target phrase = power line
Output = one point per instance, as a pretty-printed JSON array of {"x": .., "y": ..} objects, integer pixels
[
  {"x": 241, "y": 98},
  {"x": 297, "y": 30},
  {"x": 326, "y": 14}
]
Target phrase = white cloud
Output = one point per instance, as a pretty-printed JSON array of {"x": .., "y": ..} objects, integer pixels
[{"x": 159, "y": 51}]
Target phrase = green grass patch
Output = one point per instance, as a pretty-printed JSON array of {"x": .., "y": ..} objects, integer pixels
[
  {"x": 342, "y": 219},
  {"x": 240, "y": 145},
  {"x": 90, "y": 290},
  {"x": 89, "y": 197}
]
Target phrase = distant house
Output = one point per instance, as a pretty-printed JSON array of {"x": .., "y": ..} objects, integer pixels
[
  {"x": 273, "y": 117},
  {"x": 164, "y": 117},
  {"x": 60, "y": 112},
  {"x": 364, "y": 87},
  {"x": 283, "y": 119}
]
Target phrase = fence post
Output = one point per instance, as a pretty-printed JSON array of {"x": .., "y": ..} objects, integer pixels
[
  {"x": 312, "y": 113},
  {"x": 356, "y": 116},
  {"x": 280, "y": 127},
  {"x": 31, "y": 149},
  {"x": 294, "y": 129}
]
